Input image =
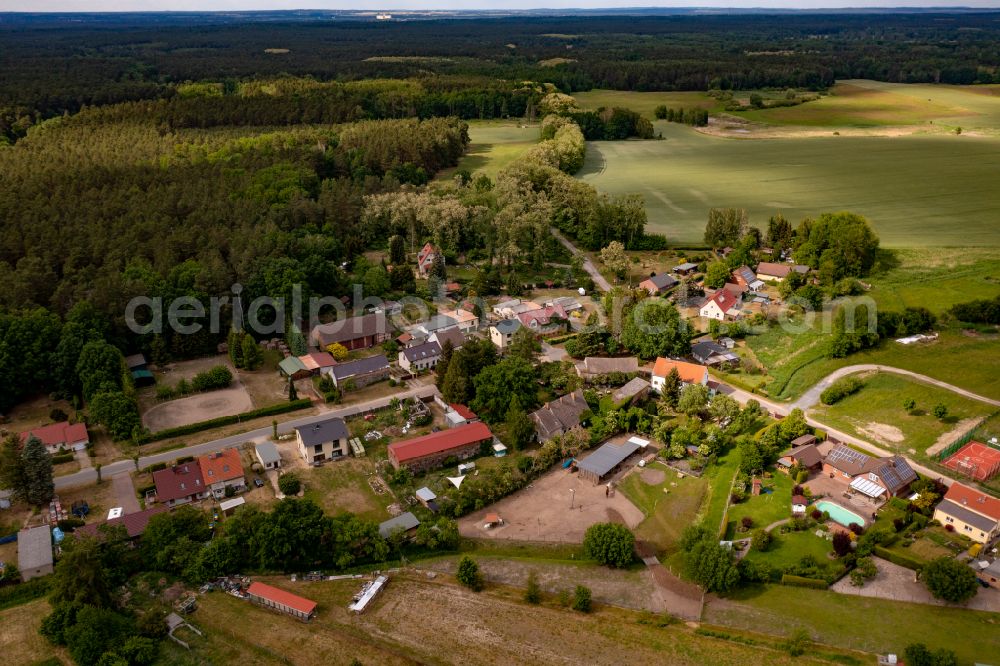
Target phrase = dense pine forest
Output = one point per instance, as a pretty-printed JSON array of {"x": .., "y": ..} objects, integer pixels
[{"x": 51, "y": 65}]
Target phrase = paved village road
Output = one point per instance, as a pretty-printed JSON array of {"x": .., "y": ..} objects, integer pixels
[{"x": 88, "y": 476}]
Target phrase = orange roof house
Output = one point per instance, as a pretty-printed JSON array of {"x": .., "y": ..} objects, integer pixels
[
  {"x": 222, "y": 469},
  {"x": 690, "y": 373}
]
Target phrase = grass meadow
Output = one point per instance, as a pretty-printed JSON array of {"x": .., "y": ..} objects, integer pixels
[
  {"x": 876, "y": 413},
  {"x": 874, "y": 625},
  {"x": 493, "y": 146},
  {"x": 932, "y": 278},
  {"x": 860, "y": 103}
]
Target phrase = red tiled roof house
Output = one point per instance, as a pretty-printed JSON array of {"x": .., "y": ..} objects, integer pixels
[
  {"x": 180, "y": 484},
  {"x": 58, "y": 436}
]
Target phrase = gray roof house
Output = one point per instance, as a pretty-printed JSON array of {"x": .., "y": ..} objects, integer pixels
[
  {"x": 404, "y": 522},
  {"x": 595, "y": 366},
  {"x": 420, "y": 357},
  {"x": 659, "y": 283},
  {"x": 559, "y": 416},
  {"x": 633, "y": 390},
  {"x": 322, "y": 431},
  {"x": 34, "y": 552},
  {"x": 708, "y": 352},
  {"x": 323, "y": 440},
  {"x": 363, "y": 371}
]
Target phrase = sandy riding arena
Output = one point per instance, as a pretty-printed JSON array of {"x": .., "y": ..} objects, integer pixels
[{"x": 542, "y": 511}]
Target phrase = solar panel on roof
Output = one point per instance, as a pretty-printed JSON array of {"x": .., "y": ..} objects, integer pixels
[{"x": 846, "y": 454}]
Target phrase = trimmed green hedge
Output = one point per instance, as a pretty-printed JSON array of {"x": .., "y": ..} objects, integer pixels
[
  {"x": 899, "y": 558},
  {"x": 280, "y": 408},
  {"x": 802, "y": 581},
  {"x": 61, "y": 458},
  {"x": 559, "y": 339}
]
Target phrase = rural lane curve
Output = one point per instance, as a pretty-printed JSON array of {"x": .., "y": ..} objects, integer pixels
[
  {"x": 87, "y": 476},
  {"x": 742, "y": 397},
  {"x": 599, "y": 281},
  {"x": 811, "y": 397}
]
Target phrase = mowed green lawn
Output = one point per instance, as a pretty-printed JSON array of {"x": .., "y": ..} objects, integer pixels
[
  {"x": 876, "y": 413},
  {"x": 764, "y": 509},
  {"x": 874, "y": 625},
  {"x": 918, "y": 191}
]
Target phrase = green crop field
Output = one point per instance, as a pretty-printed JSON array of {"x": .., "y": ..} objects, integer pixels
[
  {"x": 857, "y": 103},
  {"x": 918, "y": 191},
  {"x": 645, "y": 102}
]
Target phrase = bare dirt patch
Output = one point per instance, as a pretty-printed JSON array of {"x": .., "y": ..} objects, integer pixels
[
  {"x": 197, "y": 408},
  {"x": 558, "y": 507},
  {"x": 652, "y": 477},
  {"x": 946, "y": 438},
  {"x": 882, "y": 433}
]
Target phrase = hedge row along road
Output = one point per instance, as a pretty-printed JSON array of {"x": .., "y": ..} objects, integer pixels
[{"x": 88, "y": 476}]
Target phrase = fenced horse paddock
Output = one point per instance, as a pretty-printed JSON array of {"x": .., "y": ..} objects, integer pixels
[
  {"x": 558, "y": 507},
  {"x": 975, "y": 460}
]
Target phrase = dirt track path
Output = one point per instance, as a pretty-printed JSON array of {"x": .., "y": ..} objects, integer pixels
[
  {"x": 599, "y": 281},
  {"x": 811, "y": 397}
]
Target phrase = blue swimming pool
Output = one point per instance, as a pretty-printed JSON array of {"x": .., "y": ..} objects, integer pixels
[{"x": 839, "y": 514}]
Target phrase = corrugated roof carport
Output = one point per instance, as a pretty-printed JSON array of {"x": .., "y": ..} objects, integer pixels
[{"x": 599, "y": 463}]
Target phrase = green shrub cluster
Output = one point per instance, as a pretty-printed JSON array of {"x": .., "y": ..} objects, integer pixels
[{"x": 840, "y": 389}]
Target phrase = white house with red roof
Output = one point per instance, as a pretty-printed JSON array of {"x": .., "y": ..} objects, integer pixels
[
  {"x": 58, "y": 436},
  {"x": 723, "y": 304},
  {"x": 689, "y": 373},
  {"x": 425, "y": 258}
]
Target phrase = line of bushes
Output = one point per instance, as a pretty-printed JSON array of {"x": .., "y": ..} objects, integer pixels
[
  {"x": 840, "y": 389},
  {"x": 802, "y": 581},
  {"x": 280, "y": 408},
  {"x": 898, "y": 558},
  {"x": 61, "y": 458}
]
